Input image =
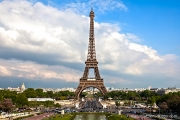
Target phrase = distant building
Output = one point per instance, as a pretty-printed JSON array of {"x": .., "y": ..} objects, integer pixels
[
  {"x": 149, "y": 88},
  {"x": 58, "y": 89},
  {"x": 40, "y": 99},
  {"x": 167, "y": 90},
  {"x": 109, "y": 89},
  {"x": 138, "y": 89},
  {"x": 18, "y": 89},
  {"x": 23, "y": 87},
  {"x": 154, "y": 89},
  {"x": 14, "y": 89}
]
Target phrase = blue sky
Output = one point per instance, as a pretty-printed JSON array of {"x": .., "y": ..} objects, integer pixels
[
  {"x": 137, "y": 42},
  {"x": 156, "y": 22}
]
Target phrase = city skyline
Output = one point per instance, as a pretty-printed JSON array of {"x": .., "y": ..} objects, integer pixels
[{"x": 44, "y": 43}]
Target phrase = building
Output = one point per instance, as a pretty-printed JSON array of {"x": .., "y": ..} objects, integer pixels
[
  {"x": 14, "y": 89},
  {"x": 18, "y": 89},
  {"x": 154, "y": 89},
  {"x": 22, "y": 87},
  {"x": 163, "y": 91},
  {"x": 40, "y": 99}
]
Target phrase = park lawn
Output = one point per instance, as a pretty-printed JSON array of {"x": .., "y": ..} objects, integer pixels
[
  {"x": 59, "y": 117},
  {"x": 117, "y": 117}
]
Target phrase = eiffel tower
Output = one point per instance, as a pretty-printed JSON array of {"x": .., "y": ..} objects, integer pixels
[{"x": 91, "y": 63}]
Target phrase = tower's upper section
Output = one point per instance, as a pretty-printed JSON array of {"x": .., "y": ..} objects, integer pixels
[
  {"x": 91, "y": 48},
  {"x": 91, "y": 14}
]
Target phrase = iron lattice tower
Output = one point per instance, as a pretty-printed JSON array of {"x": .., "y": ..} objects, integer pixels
[{"x": 91, "y": 63}]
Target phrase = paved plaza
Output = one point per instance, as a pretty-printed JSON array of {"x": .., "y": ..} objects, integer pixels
[{"x": 40, "y": 117}]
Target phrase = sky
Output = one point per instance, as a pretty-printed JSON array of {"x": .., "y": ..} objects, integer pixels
[{"x": 44, "y": 43}]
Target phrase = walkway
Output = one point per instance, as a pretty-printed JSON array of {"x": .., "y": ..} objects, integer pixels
[
  {"x": 39, "y": 117},
  {"x": 139, "y": 117}
]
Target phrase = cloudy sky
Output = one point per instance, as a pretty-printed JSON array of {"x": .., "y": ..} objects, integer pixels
[{"x": 43, "y": 43}]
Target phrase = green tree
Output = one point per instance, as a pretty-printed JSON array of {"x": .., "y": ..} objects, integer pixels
[
  {"x": 40, "y": 93},
  {"x": 56, "y": 95},
  {"x": 146, "y": 93},
  {"x": 30, "y": 93},
  {"x": 48, "y": 103},
  {"x": 83, "y": 94},
  {"x": 174, "y": 103},
  {"x": 152, "y": 100},
  {"x": 1, "y": 98},
  {"x": 57, "y": 105},
  {"x": 21, "y": 100},
  {"x": 49, "y": 94},
  {"x": 13, "y": 98},
  {"x": 98, "y": 94}
]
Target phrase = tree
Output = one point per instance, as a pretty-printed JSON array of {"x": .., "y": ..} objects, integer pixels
[
  {"x": 6, "y": 104},
  {"x": 21, "y": 100},
  {"x": 1, "y": 98},
  {"x": 174, "y": 103},
  {"x": 146, "y": 93},
  {"x": 83, "y": 94},
  {"x": 49, "y": 94},
  {"x": 40, "y": 93},
  {"x": 152, "y": 100},
  {"x": 99, "y": 94},
  {"x": 30, "y": 93},
  {"x": 57, "y": 105},
  {"x": 48, "y": 103},
  {"x": 163, "y": 106}
]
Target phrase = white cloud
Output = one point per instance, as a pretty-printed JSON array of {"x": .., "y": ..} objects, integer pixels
[
  {"x": 116, "y": 80},
  {"x": 30, "y": 70},
  {"x": 44, "y": 30},
  {"x": 144, "y": 49},
  {"x": 4, "y": 71}
]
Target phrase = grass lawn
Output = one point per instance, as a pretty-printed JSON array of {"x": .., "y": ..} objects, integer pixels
[
  {"x": 59, "y": 117},
  {"x": 117, "y": 117}
]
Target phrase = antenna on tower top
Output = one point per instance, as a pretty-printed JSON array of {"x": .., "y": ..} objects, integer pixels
[{"x": 91, "y": 6}]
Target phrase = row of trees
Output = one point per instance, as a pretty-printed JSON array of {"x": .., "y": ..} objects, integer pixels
[
  {"x": 166, "y": 102},
  {"x": 130, "y": 95},
  {"x": 61, "y": 95},
  {"x": 11, "y": 99},
  {"x": 169, "y": 101}
]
